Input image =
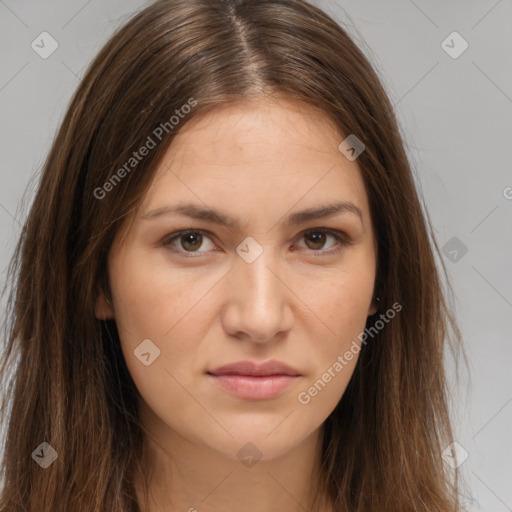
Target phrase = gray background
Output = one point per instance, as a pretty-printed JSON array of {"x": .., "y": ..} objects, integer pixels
[{"x": 454, "y": 113}]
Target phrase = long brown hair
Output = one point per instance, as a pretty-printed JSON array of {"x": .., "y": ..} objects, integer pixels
[{"x": 64, "y": 378}]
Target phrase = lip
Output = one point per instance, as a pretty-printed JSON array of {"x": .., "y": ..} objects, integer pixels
[
  {"x": 253, "y": 381},
  {"x": 250, "y": 387},
  {"x": 254, "y": 369}
]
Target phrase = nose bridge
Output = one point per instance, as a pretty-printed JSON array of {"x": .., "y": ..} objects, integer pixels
[
  {"x": 256, "y": 258},
  {"x": 263, "y": 285},
  {"x": 259, "y": 298}
]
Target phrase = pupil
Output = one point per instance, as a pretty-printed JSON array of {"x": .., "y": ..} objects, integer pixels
[
  {"x": 318, "y": 238},
  {"x": 189, "y": 239}
]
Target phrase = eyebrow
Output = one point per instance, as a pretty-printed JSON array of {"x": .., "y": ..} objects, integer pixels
[{"x": 200, "y": 212}]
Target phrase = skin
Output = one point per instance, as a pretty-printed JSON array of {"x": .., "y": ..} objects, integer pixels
[{"x": 257, "y": 161}]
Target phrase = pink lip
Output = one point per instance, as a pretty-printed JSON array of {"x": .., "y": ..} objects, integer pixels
[
  {"x": 253, "y": 381},
  {"x": 255, "y": 388},
  {"x": 271, "y": 367}
]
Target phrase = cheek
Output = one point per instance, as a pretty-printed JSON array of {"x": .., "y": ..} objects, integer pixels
[
  {"x": 342, "y": 304},
  {"x": 149, "y": 299},
  {"x": 344, "y": 311},
  {"x": 152, "y": 303}
]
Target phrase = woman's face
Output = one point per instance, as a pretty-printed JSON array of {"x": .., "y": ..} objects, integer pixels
[{"x": 267, "y": 284}]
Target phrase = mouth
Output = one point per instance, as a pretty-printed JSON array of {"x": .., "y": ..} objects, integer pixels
[
  {"x": 250, "y": 387},
  {"x": 252, "y": 381},
  {"x": 255, "y": 369}
]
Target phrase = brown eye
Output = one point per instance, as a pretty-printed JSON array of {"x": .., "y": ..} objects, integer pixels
[
  {"x": 317, "y": 239},
  {"x": 191, "y": 241},
  {"x": 187, "y": 241}
]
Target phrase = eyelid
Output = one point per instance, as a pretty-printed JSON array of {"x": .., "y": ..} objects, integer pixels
[
  {"x": 171, "y": 237},
  {"x": 341, "y": 237}
]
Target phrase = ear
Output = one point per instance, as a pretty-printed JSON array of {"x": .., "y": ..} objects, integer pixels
[
  {"x": 103, "y": 309},
  {"x": 374, "y": 306}
]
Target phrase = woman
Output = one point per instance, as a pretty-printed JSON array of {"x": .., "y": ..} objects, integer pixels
[{"x": 225, "y": 295}]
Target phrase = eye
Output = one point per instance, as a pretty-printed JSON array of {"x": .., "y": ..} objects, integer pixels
[
  {"x": 192, "y": 239},
  {"x": 317, "y": 239}
]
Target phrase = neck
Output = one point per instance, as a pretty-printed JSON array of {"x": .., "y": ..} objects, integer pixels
[{"x": 184, "y": 476}]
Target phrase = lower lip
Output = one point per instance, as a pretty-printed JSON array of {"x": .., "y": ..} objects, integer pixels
[{"x": 252, "y": 387}]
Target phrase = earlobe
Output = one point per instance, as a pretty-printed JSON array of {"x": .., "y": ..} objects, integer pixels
[
  {"x": 103, "y": 308},
  {"x": 374, "y": 306}
]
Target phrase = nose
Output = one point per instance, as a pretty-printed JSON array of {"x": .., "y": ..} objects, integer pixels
[{"x": 258, "y": 304}]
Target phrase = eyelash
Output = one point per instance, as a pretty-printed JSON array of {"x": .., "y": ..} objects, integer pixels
[{"x": 340, "y": 237}]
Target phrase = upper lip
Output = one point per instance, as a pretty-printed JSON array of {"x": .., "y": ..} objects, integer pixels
[{"x": 255, "y": 369}]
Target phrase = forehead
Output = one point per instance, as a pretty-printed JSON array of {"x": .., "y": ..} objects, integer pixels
[
  {"x": 267, "y": 129},
  {"x": 272, "y": 150}
]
